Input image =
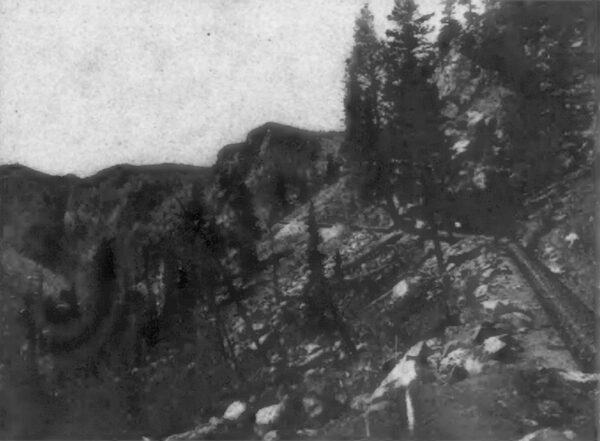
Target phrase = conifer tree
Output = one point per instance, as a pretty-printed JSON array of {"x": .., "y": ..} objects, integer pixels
[
  {"x": 362, "y": 101},
  {"x": 317, "y": 296},
  {"x": 417, "y": 149}
]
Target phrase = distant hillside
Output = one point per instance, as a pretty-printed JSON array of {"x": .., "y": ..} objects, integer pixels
[
  {"x": 36, "y": 207},
  {"x": 41, "y": 214}
]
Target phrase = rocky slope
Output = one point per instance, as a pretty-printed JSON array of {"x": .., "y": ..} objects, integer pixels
[
  {"x": 478, "y": 358},
  {"x": 477, "y": 352}
]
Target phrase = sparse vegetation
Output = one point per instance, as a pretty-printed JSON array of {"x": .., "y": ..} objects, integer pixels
[{"x": 307, "y": 278}]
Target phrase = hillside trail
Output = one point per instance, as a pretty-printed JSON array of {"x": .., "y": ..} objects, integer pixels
[
  {"x": 574, "y": 320},
  {"x": 501, "y": 398},
  {"x": 475, "y": 395},
  {"x": 571, "y": 317}
]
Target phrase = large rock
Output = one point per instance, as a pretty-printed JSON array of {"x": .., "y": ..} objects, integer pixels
[
  {"x": 399, "y": 291},
  {"x": 501, "y": 347},
  {"x": 549, "y": 435},
  {"x": 452, "y": 366},
  {"x": 580, "y": 379},
  {"x": 496, "y": 308},
  {"x": 273, "y": 435},
  {"x": 494, "y": 345},
  {"x": 405, "y": 372},
  {"x": 203, "y": 431},
  {"x": 410, "y": 371},
  {"x": 236, "y": 411},
  {"x": 284, "y": 415}
]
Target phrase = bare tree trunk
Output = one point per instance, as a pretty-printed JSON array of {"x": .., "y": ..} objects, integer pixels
[
  {"x": 392, "y": 210},
  {"x": 226, "y": 346},
  {"x": 439, "y": 255},
  {"x": 342, "y": 327},
  {"x": 224, "y": 343},
  {"x": 275, "y": 274}
]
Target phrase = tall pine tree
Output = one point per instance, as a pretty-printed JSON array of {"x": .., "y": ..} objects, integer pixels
[
  {"x": 317, "y": 295},
  {"x": 362, "y": 104},
  {"x": 418, "y": 153}
]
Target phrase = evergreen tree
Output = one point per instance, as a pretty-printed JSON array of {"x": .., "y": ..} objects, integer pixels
[
  {"x": 362, "y": 101},
  {"x": 317, "y": 294},
  {"x": 418, "y": 155},
  {"x": 393, "y": 115},
  {"x": 542, "y": 52},
  {"x": 315, "y": 257},
  {"x": 237, "y": 260},
  {"x": 338, "y": 273},
  {"x": 450, "y": 29},
  {"x": 280, "y": 202},
  {"x": 244, "y": 229}
]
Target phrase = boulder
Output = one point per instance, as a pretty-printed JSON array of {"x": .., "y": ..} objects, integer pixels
[
  {"x": 493, "y": 345},
  {"x": 273, "y": 435},
  {"x": 474, "y": 366},
  {"x": 453, "y": 359},
  {"x": 496, "y": 308},
  {"x": 406, "y": 371},
  {"x": 400, "y": 290},
  {"x": 501, "y": 347},
  {"x": 549, "y": 435},
  {"x": 203, "y": 431},
  {"x": 403, "y": 374},
  {"x": 460, "y": 363},
  {"x": 517, "y": 321},
  {"x": 284, "y": 415},
  {"x": 579, "y": 379},
  {"x": 236, "y": 411},
  {"x": 270, "y": 415}
]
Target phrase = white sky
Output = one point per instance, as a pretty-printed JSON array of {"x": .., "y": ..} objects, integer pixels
[{"x": 85, "y": 84}]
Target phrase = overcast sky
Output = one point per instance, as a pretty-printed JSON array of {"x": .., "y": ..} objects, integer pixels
[{"x": 85, "y": 84}]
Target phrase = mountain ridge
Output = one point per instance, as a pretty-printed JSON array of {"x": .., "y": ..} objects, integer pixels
[{"x": 17, "y": 167}]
